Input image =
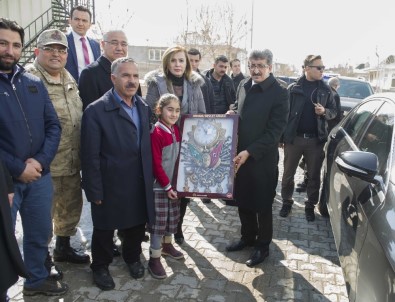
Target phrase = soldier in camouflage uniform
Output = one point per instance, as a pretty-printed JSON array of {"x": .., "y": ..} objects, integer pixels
[{"x": 51, "y": 56}]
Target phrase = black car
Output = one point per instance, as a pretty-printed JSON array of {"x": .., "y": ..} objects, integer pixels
[
  {"x": 358, "y": 194},
  {"x": 352, "y": 91}
]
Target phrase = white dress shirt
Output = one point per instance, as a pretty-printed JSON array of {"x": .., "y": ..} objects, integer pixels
[{"x": 80, "y": 53}]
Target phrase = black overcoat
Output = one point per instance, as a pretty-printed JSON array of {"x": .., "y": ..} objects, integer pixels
[
  {"x": 11, "y": 263},
  {"x": 263, "y": 118},
  {"x": 114, "y": 169},
  {"x": 95, "y": 81}
]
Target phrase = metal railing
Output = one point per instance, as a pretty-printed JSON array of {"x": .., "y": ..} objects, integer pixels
[{"x": 55, "y": 17}]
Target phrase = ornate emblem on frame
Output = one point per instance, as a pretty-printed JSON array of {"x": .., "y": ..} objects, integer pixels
[{"x": 208, "y": 145}]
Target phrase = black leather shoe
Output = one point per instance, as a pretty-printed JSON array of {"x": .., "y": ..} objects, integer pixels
[
  {"x": 71, "y": 256},
  {"x": 206, "y": 200},
  {"x": 257, "y": 257},
  {"x": 309, "y": 212},
  {"x": 285, "y": 209},
  {"x": 103, "y": 279},
  {"x": 136, "y": 269},
  {"x": 63, "y": 252},
  {"x": 237, "y": 246}
]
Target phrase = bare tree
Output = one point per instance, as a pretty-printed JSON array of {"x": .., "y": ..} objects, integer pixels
[
  {"x": 234, "y": 30},
  {"x": 114, "y": 16},
  {"x": 217, "y": 29}
]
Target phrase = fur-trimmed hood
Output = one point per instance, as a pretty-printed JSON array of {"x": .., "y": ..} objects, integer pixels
[{"x": 157, "y": 76}]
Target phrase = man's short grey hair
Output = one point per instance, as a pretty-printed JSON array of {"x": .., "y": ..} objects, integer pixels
[
  {"x": 265, "y": 54},
  {"x": 112, "y": 31},
  {"x": 334, "y": 82},
  {"x": 119, "y": 61}
]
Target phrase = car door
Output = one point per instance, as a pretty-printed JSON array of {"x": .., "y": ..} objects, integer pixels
[
  {"x": 349, "y": 223},
  {"x": 376, "y": 278}
]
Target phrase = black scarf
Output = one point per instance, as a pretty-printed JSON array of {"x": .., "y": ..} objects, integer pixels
[{"x": 176, "y": 81}]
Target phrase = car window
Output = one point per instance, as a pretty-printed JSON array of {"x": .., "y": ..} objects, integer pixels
[
  {"x": 357, "y": 119},
  {"x": 354, "y": 89},
  {"x": 378, "y": 136}
]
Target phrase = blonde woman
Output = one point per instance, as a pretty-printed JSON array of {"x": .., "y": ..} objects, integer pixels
[{"x": 177, "y": 77}]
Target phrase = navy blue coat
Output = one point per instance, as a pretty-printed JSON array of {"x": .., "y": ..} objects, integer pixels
[
  {"x": 72, "y": 62},
  {"x": 114, "y": 169},
  {"x": 29, "y": 125}
]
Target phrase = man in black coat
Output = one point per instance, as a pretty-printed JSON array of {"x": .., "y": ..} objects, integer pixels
[
  {"x": 95, "y": 79},
  {"x": 117, "y": 171},
  {"x": 237, "y": 76},
  {"x": 224, "y": 90},
  {"x": 11, "y": 262},
  {"x": 311, "y": 106},
  {"x": 263, "y": 107}
]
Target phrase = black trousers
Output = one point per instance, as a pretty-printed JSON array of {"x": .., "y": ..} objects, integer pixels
[
  {"x": 256, "y": 227},
  {"x": 4, "y": 297},
  {"x": 102, "y": 242}
]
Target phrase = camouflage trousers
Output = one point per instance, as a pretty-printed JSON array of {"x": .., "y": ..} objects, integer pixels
[{"x": 67, "y": 204}]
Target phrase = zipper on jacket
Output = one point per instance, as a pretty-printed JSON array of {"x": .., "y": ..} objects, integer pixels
[{"x": 24, "y": 116}]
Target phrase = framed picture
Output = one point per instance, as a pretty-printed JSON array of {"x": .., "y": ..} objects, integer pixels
[{"x": 208, "y": 145}]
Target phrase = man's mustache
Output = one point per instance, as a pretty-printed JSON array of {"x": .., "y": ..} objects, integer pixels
[{"x": 131, "y": 85}]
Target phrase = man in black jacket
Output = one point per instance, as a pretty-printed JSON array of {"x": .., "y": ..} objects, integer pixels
[
  {"x": 262, "y": 104},
  {"x": 95, "y": 79},
  {"x": 237, "y": 76},
  {"x": 224, "y": 91},
  {"x": 311, "y": 105}
]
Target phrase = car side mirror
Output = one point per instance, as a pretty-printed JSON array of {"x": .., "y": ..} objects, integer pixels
[{"x": 363, "y": 165}]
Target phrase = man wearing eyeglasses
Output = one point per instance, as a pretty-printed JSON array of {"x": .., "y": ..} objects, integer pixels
[
  {"x": 262, "y": 104},
  {"x": 49, "y": 65},
  {"x": 95, "y": 79},
  {"x": 312, "y": 104},
  {"x": 82, "y": 50}
]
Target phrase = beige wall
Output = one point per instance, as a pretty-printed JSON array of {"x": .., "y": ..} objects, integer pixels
[{"x": 23, "y": 11}]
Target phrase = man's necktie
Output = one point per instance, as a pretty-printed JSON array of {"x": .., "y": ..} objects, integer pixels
[{"x": 85, "y": 51}]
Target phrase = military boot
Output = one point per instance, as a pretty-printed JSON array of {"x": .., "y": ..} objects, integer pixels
[{"x": 63, "y": 252}]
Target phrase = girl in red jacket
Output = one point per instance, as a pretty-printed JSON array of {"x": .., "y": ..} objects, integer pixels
[{"x": 165, "y": 144}]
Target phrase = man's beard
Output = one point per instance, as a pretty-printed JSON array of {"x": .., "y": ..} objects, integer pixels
[{"x": 6, "y": 66}]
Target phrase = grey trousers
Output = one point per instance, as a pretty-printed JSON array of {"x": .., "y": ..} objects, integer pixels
[{"x": 312, "y": 150}]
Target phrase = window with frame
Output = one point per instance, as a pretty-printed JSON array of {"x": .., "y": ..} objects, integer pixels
[
  {"x": 378, "y": 136},
  {"x": 359, "y": 117},
  {"x": 155, "y": 54}
]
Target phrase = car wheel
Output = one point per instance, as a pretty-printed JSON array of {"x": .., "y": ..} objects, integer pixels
[{"x": 322, "y": 205}]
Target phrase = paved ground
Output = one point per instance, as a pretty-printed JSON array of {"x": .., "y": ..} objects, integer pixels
[{"x": 302, "y": 266}]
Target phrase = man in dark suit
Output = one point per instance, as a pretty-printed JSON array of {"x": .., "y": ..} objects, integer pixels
[
  {"x": 95, "y": 79},
  {"x": 117, "y": 171},
  {"x": 263, "y": 107},
  {"x": 82, "y": 50}
]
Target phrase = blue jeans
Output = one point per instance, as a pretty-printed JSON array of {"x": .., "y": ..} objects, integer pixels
[{"x": 34, "y": 202}]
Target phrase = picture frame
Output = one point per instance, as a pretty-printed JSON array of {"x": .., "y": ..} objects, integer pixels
[{"x": 204, "y": 167}]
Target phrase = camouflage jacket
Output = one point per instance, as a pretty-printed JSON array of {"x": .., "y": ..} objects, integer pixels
[{"x": 68, "y": 105}]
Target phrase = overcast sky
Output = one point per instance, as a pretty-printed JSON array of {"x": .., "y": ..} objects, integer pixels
[{"x": 342, "y": 31}]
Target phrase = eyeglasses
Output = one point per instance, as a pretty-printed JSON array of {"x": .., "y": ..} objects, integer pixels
[
  {"x": 319, "y": 68},
  {"x": 117, "y": 43},
  {"x": 259, "y": 66},
  {"x": 52, "y": 50}
]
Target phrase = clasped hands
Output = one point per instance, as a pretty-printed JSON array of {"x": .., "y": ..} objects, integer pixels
[{"x": 32, "y": 171}]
